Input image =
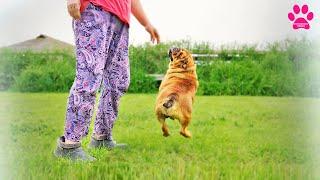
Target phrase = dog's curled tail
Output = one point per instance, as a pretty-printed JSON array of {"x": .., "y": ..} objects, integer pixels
[{"x": 170, "y": 100}]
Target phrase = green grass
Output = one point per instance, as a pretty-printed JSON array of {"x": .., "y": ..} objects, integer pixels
[{"x": 233, "y": 138}]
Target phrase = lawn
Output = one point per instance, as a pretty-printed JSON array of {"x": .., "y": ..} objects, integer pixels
[{"x": 233, "y": 138}]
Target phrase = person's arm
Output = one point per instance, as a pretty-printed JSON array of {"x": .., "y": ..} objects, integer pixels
[
  {"x": 74, "y": 8},
  {"x": 138, "y": 12}
]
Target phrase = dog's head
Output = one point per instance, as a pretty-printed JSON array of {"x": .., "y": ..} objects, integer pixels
[{"x": 180, "y": 58}]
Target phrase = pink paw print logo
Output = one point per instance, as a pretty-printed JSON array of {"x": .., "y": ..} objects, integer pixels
[{"x": 300, "y": 17}]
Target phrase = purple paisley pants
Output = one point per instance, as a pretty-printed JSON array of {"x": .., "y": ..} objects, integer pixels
[{"x": 102, "y": 58}]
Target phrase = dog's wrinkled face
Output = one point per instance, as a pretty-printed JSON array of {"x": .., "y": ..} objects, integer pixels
[{"x": 180, "y": 58}]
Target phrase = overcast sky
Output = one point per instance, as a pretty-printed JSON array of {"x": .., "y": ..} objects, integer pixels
[{"x": 216, "y": 21}]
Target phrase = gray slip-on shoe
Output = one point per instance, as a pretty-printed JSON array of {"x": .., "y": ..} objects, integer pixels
[
  {"x": 102, "y": 142},
  {"x": 71, "y": 151}
]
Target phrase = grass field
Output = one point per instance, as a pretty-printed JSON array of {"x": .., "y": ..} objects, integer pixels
[{"x": 233, "y": 138}]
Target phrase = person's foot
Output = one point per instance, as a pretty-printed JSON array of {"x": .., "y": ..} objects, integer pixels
[
  {"x": 105, "y": 143},
  {"x": 71, "y": 151}
]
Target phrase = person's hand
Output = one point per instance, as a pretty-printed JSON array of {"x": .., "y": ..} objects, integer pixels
[
  {"x": 154, "y": 35},
  {"x": 74, "y": 8}
]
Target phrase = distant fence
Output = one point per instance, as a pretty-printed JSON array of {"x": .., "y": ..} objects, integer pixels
[{"x": 205, "y": 59}]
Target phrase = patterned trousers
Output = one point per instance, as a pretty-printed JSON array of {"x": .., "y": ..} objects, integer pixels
[{"x": 102, "y": 58}]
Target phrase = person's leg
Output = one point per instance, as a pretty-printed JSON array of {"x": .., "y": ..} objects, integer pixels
[
  {"x": 116, "y": 80},
  {"x": 90, "y": 52},
  {"x": 91, "y": 41}
]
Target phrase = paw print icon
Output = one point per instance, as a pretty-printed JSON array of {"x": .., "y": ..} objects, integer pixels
[{"x": 300, "y": 17}]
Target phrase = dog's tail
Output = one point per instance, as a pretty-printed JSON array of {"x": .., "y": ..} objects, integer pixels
[{"x": 170, "y": 100}]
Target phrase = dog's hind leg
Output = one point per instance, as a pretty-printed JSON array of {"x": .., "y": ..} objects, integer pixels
[
  {"x": 164, "y": 127},
  {"x": 185, "y": 117},
  {"x": 184, "y": 124}
]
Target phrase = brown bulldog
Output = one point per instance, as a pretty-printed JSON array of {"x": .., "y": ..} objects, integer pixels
[{"x": 177, "y": 91}]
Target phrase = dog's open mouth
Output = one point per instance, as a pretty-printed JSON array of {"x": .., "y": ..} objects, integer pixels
[{"x": 173, "y": 51}]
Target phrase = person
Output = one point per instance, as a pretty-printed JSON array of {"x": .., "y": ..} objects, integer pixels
[{"x": 101, "y": 38}]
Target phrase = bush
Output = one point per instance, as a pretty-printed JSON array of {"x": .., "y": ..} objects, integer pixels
[
  {"x": 12, "y": 64},
  {"x": 141, "y": 83},
  {"x": 56, "y": 76},
  {"x": 272, "y": 76},
  {"x": 288, "y": 68}
]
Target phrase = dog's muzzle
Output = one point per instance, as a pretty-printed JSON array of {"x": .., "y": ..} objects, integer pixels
[{"x": 172, "y": 51}]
